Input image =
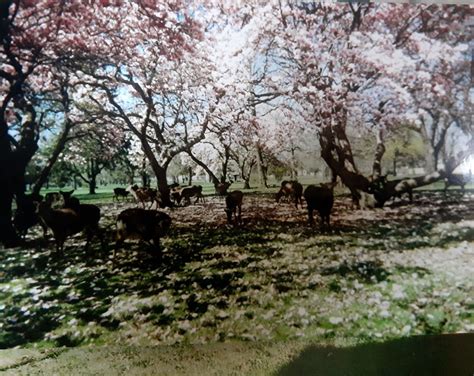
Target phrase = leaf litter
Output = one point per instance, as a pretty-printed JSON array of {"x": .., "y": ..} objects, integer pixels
[{"x": 385, "y": 273}]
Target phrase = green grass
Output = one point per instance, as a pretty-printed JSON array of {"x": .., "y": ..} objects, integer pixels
[
  {"x": 384, "y": 274},
  {"x": 104, "y": 194}
]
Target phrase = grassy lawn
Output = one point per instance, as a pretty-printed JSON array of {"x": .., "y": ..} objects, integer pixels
[{"x": 378, "y": 275}]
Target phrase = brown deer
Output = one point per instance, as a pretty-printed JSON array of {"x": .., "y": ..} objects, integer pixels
[
  {"x": 63, "y": 222},
  {"x": 89, "y": 216},
  {"x": 291, "y": 189},
  {"x": 144, "y": 195},
  {"x": 321, "y": 199},
  {"x": 142, "y": 224},
  {"x": 233, "y": 202},
  {"x": 187, "y": 193}
]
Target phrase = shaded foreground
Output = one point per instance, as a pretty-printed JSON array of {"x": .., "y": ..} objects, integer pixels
[
  {"x": 381, "y": 274},
  {"x": 427, "y": 355}
]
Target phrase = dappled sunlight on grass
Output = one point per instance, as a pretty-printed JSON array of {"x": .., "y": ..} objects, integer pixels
[{"x": 379, "y": 274}]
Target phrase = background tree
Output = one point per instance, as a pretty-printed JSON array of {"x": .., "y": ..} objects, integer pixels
[
  {"x": 331, "y": 58},
  {"x": 33, "y": 36},
  {"x": 95, "y": 150}
]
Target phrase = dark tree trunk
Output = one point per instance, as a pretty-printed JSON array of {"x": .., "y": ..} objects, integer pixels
[
  {"x": 246, "y": 171},
  {"x": 92, "y": 185},
  {"x": 190, "y": 176},
  {"x": 211, "y": 175},
  {"x": 163, "y": 187},
  {"x": 143, "y": 174},
  {"x": 93, "y": 170},
  {"x": 8, "y": 235},
  {"x": 225, "y": 163},
  {"x": 160, "y": 174},
  {"x": 12, "y": 175},
  {"x": 335, "y": 150},
  {"x": 145, "y": 179},
  {"x": 339, "y": 159}
]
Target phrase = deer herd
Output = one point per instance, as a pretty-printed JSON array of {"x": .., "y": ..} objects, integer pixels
[{"x": 65, "y": 215}]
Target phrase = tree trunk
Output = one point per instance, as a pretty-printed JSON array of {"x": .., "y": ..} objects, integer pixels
[
  {"x": 247, "y": 183},
  {"x": 261, "y": 167},
  {"x": 211, "y": 175},
  {"x": 294, "y": 170},
  {"x": 12, "y": 169},
  {"x": 92, "y": 185},
  {"x": 379, "y": 152},
  {"x": 335, "y": 150},
  {"x": 190, "y": 176},
  {"x": 8, "y": 235},
  {"x": 163, "y": 187},
  {"x": 160, "y": 174},
  {"x": 245, "y": 173},
  {"x": 430, "y": 163},
  {"x": 58, "y": 148},
  {"x": 225, "y": 164},
  {"x": 145, "y": 180}
]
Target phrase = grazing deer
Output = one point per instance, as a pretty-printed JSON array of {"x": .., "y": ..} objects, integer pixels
[
  {"x": 187, "y": 193},
  {"x": 321, "y": 199},
  {"x": 233, "y": 202},
  {"x": 291, "y": 189},
  {"x": 142, "y": 224},
  {"x": 120, "y": 192}
]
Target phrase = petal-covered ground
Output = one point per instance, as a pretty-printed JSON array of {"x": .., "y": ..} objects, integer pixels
[{"x": 377, "y": 274}]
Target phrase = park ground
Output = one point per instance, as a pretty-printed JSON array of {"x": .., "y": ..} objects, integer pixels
[{"x": 250, "y": 296}]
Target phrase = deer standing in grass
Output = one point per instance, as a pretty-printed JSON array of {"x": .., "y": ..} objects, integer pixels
[
  {"x": 187, "y": 193},
  {"x": 291, "y": 189},
  {"x": 142, "y": 224},
  {"x": 321, "y": 199},
  {"x": 233, "y": 202}
]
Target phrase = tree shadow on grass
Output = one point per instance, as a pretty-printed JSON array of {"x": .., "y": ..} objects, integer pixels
[
  {"x": 41, "y": 290},
  {"x": 424, "y": 355}
]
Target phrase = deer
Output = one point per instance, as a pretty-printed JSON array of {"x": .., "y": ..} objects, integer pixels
[
  {"x": 120, "y": 192},
  {"x": 291, "y": 189},
  {"x": 141, "y": 224},
  {"x": 321, "y": 199},
  {"x": 187, "y": 193},
  {"x": 89, "y": 217},
  {"x": 63, "y": 222},
  {"x": 26, "y": 215},
  {"x": 145, "y": 194},
  {"x": 233, "y": 202},
  {"x": 175, "y": 193}
]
